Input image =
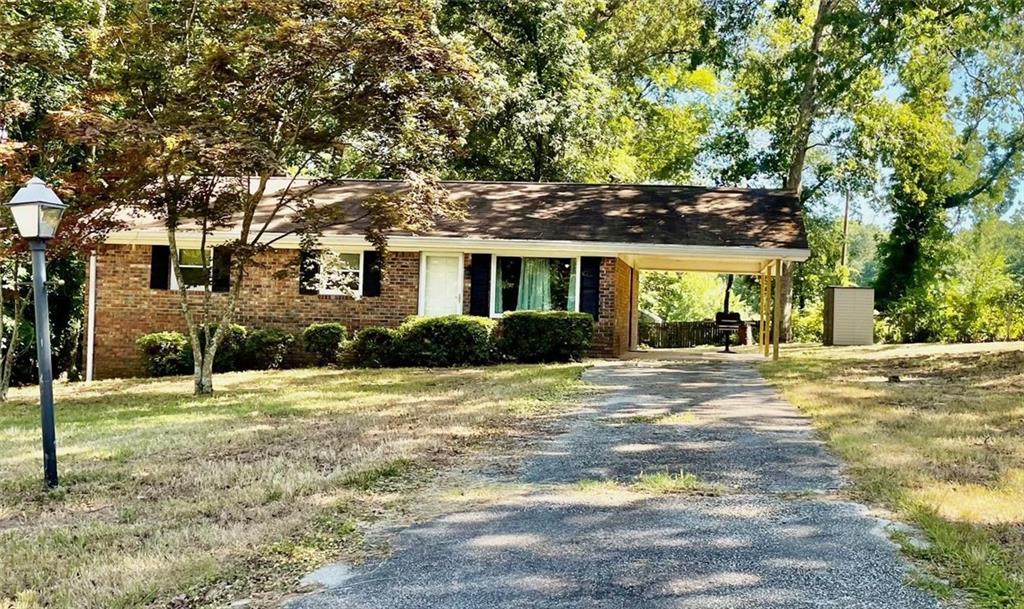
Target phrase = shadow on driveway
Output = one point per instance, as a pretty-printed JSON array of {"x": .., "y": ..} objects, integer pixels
[{"x": 775, "y": 538}]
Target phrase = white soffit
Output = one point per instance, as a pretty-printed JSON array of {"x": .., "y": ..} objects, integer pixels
[{"x": 740, "y": 259}]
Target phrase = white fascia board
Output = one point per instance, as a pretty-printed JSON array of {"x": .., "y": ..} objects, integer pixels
[{"x": 488, "y": 246}]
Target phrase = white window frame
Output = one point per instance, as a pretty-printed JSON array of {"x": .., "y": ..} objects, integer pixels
[
  {"x": 320, "y": 279},
  {"x": 174, "y": 276},
  {"x": 421, "y": 297},
  {"x": 494, "y": 278}
]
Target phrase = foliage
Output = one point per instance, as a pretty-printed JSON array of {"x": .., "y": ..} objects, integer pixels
[
  {"x": 230, "y": 352},
  {"x": 862, "y": 256},
  {"x": 676, "y": 296},
  {"x": 372, "y": 347},
  {"x": 824, "y": 267},
  {"x": 169, "y": 353},
  {"x": 914, "y": 105},
  {"x": 972, "y": 296},
  {"x": 266, "y": 349},
  {"x": 196, "y": 107},
  {"x": 544, "y": 336},
  {"x": 586, "y": 90},
  {"x": 42, "y": 72},
  {"x": 681, "y": 296},
  {"x": 808, "y": 324},
  {"x": 442, "y": 342},
  {"x": 324, "y": 341},
  {"x": 163, "y": 353}
]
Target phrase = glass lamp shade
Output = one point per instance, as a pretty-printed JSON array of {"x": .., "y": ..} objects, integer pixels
[{"x": 37, "y": 210}]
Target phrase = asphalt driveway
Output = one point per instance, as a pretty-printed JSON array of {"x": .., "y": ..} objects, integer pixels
[{"x": 774, "y": 534}]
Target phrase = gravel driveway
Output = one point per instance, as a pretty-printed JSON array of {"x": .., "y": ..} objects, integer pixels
[{"x": 775, "y": 535}]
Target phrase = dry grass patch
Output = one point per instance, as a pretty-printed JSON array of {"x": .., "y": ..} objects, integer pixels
[
  {"x": 659, "y": 483},
  {"x": 663, "y": 483},
  {"x": 942, "y": 446},
  {"x": 168, "y": 498}
]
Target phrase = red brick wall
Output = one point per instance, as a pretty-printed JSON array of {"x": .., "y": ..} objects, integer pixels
[
  {"x": 127, "y": 308},
  {"x": 623, "y": 280},
  {"x": 611, "y": 333}
]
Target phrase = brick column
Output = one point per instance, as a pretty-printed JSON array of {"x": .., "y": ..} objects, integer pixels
[{"x": 611, "y": 333}]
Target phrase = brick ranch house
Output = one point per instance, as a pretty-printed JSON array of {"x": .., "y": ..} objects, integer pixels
[{"x": 522, "y": 246}]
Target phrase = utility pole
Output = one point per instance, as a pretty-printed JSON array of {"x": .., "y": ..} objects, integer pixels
[{"x": 846, "y": 229}]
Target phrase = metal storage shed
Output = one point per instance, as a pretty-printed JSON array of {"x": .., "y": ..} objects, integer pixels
[{"x": 849, "y": 315}]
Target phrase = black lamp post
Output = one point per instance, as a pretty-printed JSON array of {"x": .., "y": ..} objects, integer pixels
[{"x": 37, "y": 211}]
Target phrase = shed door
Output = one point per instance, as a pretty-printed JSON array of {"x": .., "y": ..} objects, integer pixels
[{"x": 441, "y": 285}]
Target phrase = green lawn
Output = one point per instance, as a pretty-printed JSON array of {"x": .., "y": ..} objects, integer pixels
[
  {"x": 943, "y": 448},
  {"x": 165, "y": 496}
]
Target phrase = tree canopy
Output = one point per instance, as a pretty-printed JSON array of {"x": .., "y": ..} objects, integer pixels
[{"x": 914, "y": 108}]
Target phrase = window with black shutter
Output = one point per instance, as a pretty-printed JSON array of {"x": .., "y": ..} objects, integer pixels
[
  {"x": 590, "y": 285},
  {"x": 371, "y": 273},
  {"x": 480, "y": 285},
  {"x": 160, "y": 268}
]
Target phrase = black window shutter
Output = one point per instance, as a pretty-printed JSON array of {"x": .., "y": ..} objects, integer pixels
[
  {"x": 221, "y": 269},
  {"x": 160, "y": 268},
  {"x": 480, "y": 285},
  {"x": 371, "y": 273},
  {"x": 590, "y": 285},
  {"x": 309, "y": 269}
]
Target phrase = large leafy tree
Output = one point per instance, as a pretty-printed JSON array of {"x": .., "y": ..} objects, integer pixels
[
  {"x": 811, "y": 65},
  {"x": 953, "y": 140},
  {"x": 914, "y": 103},
  {"x": 199, "y": 104},
  {"x": 43, "y": 68},
  {"x": 590, "y": 89}
]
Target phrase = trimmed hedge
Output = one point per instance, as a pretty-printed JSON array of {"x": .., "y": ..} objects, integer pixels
[
  {"x": 544, "y": 336},
  {"x": 170, "y": 353},
  {"x": 433, "y": 342},
  {"x": 325, "y": 341},
  {"x": 443, "y": 342},
  {"x": 163, "y": 353},
  {"x": 266, "y": 349},
  {"x": 371, "y": 348},
  {"x": 228, "y": 353}
]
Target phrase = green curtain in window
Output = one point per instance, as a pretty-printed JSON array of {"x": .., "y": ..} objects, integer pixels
[
  {"x": 571, "y": 303},
  {"x": 499, "y": 306},
  {"x": 535, "y": 285}
]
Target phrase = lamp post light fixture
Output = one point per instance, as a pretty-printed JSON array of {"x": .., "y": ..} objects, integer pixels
[{"x": 37, "y": 211}]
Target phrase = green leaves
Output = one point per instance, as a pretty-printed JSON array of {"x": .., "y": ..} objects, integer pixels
[{"x": 585, "y": 90}]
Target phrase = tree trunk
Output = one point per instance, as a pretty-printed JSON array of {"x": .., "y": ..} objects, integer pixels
[
  {"x": 204, "y": 375},
  {"x": 7, "y": 361},
  {"x": 808, "y": 102},
  {"x": 728, "y": 291},
  {"x": 786, "y": 331},
  {"x": 74, "y": 371}
]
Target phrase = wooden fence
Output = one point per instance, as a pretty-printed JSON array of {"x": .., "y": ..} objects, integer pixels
[{"x": 683, "y": 334}]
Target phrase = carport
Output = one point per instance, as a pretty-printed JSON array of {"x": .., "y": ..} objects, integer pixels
[{"x": 769, "y": 265}]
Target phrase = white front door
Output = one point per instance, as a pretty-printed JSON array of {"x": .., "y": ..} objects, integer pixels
[{"x": 441, "y": 284}]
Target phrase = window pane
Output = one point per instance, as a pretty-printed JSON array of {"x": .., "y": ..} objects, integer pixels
[
  {"x": 506, "y": 293},
  {"x": 345, "y": 261},
  {"x": 339, "y": 272},
  {"x": 560, "y": 280},
  {"x": 570, "y": 304},
  {"x": 534, "y": 284},
  {"x": 190, "y": 257},
  {"x": 193, "y": 276}
]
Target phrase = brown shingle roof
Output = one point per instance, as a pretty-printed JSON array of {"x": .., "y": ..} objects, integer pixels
[{"x": 650, "y": 214}]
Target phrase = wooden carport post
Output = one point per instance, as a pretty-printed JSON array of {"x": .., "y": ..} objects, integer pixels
[
  {"x": 777, "y": 313},
  {"x": 762, "y": 328}
]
